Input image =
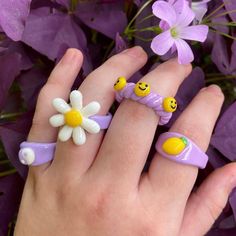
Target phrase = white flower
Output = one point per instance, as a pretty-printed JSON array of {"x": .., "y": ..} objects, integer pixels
[{"x": 75, "y": 118}]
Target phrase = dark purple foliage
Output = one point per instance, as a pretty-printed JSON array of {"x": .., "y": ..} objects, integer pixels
[
  {"x": 224, "y": 137},
  {"x": 10, "y": 68},
  {"x": 12, "y": 17},
  {"x": 10, "y": 194},
  {"x": 35, "y": 35}
]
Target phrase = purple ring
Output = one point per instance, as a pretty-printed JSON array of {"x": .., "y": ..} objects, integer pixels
[
  {"x": 191, "y": 154},
  {"x": 152, "y": 100},
  {"x": 103, "y": 121},
  {"x": 36, "y": 154}
]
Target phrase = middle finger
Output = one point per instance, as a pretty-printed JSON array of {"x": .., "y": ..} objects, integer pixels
[{"x": 129, "y": 138}]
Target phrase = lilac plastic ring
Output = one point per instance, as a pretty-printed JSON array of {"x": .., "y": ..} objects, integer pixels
[
  {"x": 36, "y": 154},
  {"x": 152, "y": 100},
  {"x": 188, "y": 152},
  {"x": 103, "y": 121}
]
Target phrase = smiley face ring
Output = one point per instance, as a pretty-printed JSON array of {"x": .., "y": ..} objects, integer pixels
[{"x": 141, "y": 92}]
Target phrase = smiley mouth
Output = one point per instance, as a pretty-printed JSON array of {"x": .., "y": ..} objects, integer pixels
[
  {"x": 173, "y": 107},
  {"x": 142, "y": 88}
]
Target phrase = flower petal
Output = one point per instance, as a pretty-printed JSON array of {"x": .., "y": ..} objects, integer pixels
[
  {"x": 195, "y": 32},
  {"x": 60, "y": 105},
  {"x": 186, "y": 17},
  {"x": 91, "y": 109},
  {"x": 57, "y": 120},
  {"x": 199, "y": 10},
  {"x": 79, "y": 136},
  {"x": 76, "y": 99},
  {"x": 185, "y": 54},
  {"x": 162, "y": 43},
  {"x": 90, "y": 126},
  {"x": 164, "y": 11},
  {"x": 65, "y": 133}
]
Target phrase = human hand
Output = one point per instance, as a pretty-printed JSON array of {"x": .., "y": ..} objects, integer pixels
[{"x": 98, "y": 188}]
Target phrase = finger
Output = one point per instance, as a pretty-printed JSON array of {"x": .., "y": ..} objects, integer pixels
[
  {"x": 196, "y": 123},
  {"x": 58, "y": 85},
  {"x": 206, "y": 204},
  {"x": 128, "y": 140},
  {"x": 98, "y": 86}
]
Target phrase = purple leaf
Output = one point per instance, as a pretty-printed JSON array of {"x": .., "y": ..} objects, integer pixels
[
  {"x": 108, "y": 19},
  {"x": 120, "y": 43},
  {"x": 10, "y": 192},
  {"x": 187, "y": 91},
  {"x": 230, "y": 5},
  {"x": 30, "y": 83},
  {"x": 12, "y": 135},
  {"x": 232, "y": 201},
  {"x": 10, "y": 68},
  {"x": 216, "y": 159},
  {"x": 65, "y": 3},
  {"x": 224, "y": 137},
  {"x": 48, "y": 32},
  {"x": 12, "y": 17}
]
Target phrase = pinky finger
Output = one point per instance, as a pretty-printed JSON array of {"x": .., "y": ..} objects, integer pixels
[{"x": 206, "y": 204}]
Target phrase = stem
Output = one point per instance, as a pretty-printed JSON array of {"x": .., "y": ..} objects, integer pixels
[
  {"x": 9, "y": 172},
  {"x": 143, "y": 39},
  {"x": 225, "y": 13},
  {"x": 136, "y": 15},
  {"x": 4, "y": 162},
  {"x": 223, "y": 34},
  {"x": 153, "y": 29},
  {"x": 10, "y": 115},
  {"x": 221, "y": 78},
  {"x": 212, "y": 13},
  {"x": 145, "y": 18},
  {"x": 222, "y": 24}
]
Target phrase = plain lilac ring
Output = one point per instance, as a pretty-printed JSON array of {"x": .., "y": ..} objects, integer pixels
[
  {"x": 35, "y": 154},
  {"x": 152, "y": 100},
  {"x": 191, "y": 155}
]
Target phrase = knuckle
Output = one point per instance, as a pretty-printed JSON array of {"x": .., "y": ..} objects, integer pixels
[
  {"x": 189, "y": 130},
  {"x": 98, "y": 203}
]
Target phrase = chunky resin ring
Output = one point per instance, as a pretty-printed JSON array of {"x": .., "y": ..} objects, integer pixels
[
  {"x": 141, "y": 92},
  {"x": 179, "y": 148},
  {"x": 36, "y": 154},
  {"x": 77, "y": 119}
]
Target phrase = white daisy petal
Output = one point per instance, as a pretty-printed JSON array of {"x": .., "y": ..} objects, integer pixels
[
  {"x": 60, "y": 105},
  {"x": 91, "y": 109},
  {"x": 57, "y": 120},
  {"x": 90, "y": 126},
  {"x": 79, "y": 136},
  {"x": 76, "y": 99},
  {"x": 65, "y": 133}
]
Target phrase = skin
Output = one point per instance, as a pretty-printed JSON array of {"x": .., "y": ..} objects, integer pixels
[{"x": 98, "y": 189}]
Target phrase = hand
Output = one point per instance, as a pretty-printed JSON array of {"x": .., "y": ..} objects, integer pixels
[{"x": 98, "y": 188}]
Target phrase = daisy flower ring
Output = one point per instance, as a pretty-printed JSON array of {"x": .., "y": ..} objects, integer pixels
[{"x": 76, "y": 119}]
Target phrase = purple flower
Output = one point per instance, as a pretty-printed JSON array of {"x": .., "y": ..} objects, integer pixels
[
  {"x": 200, "y": 9},
  {"x": 178, "y": 30}
]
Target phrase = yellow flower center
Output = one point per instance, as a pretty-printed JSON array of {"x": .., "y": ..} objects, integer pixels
[{"x": 73, "y": 118}]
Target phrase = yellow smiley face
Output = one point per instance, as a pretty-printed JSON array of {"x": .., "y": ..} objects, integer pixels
[
  {"x": 120, "y": 83},
  {"x": 142, "y": 89},
  {"x": 169, "y": 104}
]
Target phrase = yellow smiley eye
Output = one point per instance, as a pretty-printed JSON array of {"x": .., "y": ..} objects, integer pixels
[
  {"x": 142, "y": 89},
  {"x": 169, "y": 104},
  {"x": 120, "y": 83},
  {"x": 174, "y": 146}
]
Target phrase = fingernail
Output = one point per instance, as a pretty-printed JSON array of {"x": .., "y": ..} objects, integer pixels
[
  {"x": 69, "y": 56},
  {"x": 134, "y": 51},
  {"x": 215, "y": 89}
]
